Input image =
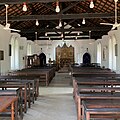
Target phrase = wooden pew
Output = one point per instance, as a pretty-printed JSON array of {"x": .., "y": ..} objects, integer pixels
[
  {"x": 5, "y": 102},
  {"x": 18, "y": 86},
  {"x": 19, "y": 78},
  {"x": 98, "y": 89},
  {"x": 44, "y": 75},
  {"x": 18, "y": 94},
  {"x": 97, "y": 108}
]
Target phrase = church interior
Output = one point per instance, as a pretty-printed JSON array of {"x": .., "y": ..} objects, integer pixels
[{"x": 59, "y": 59}]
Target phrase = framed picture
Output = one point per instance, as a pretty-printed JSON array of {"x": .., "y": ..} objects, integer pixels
[{"x": 1, "y": 55}]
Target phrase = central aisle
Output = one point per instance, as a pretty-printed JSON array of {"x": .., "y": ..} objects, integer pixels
[{"x": 55, "y": 102}]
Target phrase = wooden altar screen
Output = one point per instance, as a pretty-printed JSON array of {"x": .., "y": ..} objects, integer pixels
[{"x": 64, "y": 55}]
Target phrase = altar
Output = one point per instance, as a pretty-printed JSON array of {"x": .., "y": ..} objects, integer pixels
[{"x": 64, "y": 55}]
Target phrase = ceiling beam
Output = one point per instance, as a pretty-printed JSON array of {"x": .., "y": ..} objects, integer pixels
[
  {"x": 107, "y": 28},
  {"x": 69, "y": 7},
  {"x": 33, "y": 1},
  {"x": 59, "y": 16}
]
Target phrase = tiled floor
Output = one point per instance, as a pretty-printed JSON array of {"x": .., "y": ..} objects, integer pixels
[{"x": 55, "y": 102}]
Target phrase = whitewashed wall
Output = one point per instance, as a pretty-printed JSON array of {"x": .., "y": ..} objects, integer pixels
[
  {"x": 4, "y": 46},
  {"x": 80, "y": 46},
  {"x": 114, "y": 34},
  {"x": 48, "y": 47},
  {"x": 23, "y": 52}
]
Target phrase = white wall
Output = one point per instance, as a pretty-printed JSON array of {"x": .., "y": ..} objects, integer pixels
[
  {"x": 114, "y": 36},
  {"x": 80, "y": 47},
  {"x": 4, "y": 45},
  {"x": 23, "y": 52},
  {"x": 48, "y": 47}
]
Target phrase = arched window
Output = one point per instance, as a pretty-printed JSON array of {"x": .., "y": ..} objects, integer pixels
[
  {"x": 114, "y": 56},
  {"x": 29, "y": 49},
  {"x": 99, "y": 53},
  {"x": 112, "y": 53},
  {"x": 14, "y": 53}
]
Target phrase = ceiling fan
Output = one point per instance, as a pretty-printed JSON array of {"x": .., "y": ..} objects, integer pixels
[
  {"x": 7, "y": 25},
  {"x": 116, "y": 23}
]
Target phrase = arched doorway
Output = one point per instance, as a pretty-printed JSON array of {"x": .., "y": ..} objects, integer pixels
[
  {"x": 99, "y": 49},
  {"x": 29, "y": 49},
  {"x": 110, "y": 53},
  {"x": 42, "y": 58},
  {"x": 114, "y": 55},
  {"x": 86, "y": 58},
  {"x": 14, "y": 53}
]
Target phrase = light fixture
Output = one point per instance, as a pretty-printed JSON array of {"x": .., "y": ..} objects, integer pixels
[
  {"x": 116, "y": 0},
  {"x": 89, "y": 34},
  {"x": 57, "y": 7},
  {"x": 60, "y": 23},
  {"x": 37, "y": 23},
  {"x": 79, "y": 25},
  {"x": 36, "y": 35},
  {"x": 76, "y": 38},
  {"x": 61, "y": 35},
  {"x": 91, "y": 4},
  {"x": 46, "y": 34},
  {"x": 83, "y": 22},
  {"x": 24, "y": 6}
]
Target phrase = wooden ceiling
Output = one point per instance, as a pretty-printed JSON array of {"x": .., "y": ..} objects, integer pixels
[{"x": 71, "y": 14}]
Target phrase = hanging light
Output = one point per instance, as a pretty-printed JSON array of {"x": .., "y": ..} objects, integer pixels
[
  {"x": 79, "y": 25},
  {"x": 24, "y": 6},
  {"x": 61, "y": 35},
  {"x": 37, "y": 23},
  {"x": 91, "y": 4},
  {"x": 83, "y": 22},
  {"x": 57, "y": 7},
  {"x": 36, "y": 35},
  {"x": 116, "y": 0},
  {"x": 46, "y": 34},
  {"x": 76, "y": 38},
  {"x": 60, "y": 23}
]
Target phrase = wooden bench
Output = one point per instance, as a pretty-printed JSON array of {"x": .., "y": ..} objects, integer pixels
[
  {"x": 5, "y": 102},
  {"x": 17, "y": 93},
  {"x": 34, "y": 83},
  {"x": 44, "y": 75},
  {"x": 96, "y": 90},
  {"x": 97, "y": 94},
  {"x": 97, "y": 108},
  {"x": 18, "y": 86}
]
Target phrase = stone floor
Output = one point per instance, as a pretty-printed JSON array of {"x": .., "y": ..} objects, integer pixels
[{"x": 55, "y": 102}]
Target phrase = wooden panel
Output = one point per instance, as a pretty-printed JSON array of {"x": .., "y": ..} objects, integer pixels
[{"x": 64, "y": 55}]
